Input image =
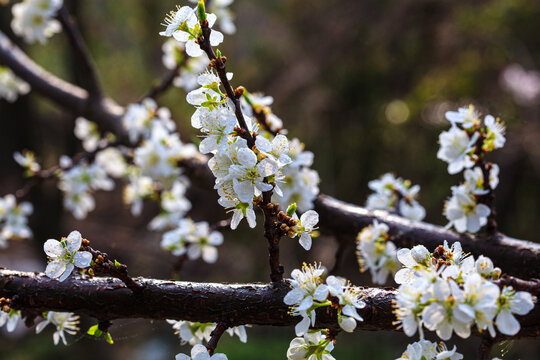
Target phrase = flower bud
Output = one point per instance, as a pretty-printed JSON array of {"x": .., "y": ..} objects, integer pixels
[
  {"x": 484, "y": 265},
  {"x": 347, "y": 323}
]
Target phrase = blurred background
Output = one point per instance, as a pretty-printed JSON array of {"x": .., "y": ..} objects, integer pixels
[{"x": 364, "y": 84}]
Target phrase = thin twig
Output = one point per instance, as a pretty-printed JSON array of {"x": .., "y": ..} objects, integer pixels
[
  {"x": 167, "y": 80},
  {"x": 81, "y": 52},
  {"x": 215, "y": 336}
]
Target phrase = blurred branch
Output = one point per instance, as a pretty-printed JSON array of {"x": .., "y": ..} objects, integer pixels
[
  {"x": 80, "y": 50},
  {"x": 105, "y": 112},
  {"x": 233, "y": 304}
]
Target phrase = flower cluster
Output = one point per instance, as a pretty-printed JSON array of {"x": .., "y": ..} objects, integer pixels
[
  {"x": 375, "y": 253},
  {"x": 64, "y": 256},
  {"x": 64, "y": 321},
  {"x": 309, "y": 292},
  {"x": 193, "y": 239},
  {"x": 14, "y": 219},
  {"x": 396, "y": 195},
  {"x": 27, "y": 160},
  {"x": 199, "y": 352},
  {"x": 447, "y": 291},
  {"x": 427, "y": 350},
  {"x": 11, "y": 86},
  {"x": 87, "y": 131},
  {"x": 184, "y": 26},
  {"x": 34, "y": 20},
  {"x": 464, "y": 147},
  {"x": 78, "y": 182},
  {"x": 314, "y": 345},
  {"x": 193, "y": 333}
]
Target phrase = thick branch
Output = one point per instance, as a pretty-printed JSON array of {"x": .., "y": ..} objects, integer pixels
[
  {"x": 105, "y": 112},
  {"x": 516, "y": 257},
  {"x": 233, "y": 304}
]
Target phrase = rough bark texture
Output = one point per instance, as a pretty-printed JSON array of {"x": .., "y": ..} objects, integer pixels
[
  {"x": 516, "y": 257},
  {"x": 233, "y": 304}
]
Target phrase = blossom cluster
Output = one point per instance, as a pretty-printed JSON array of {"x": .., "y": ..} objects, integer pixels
[
  {"x": 194, "y": 333},
  {"x": 464, "y": 147},
  {"x": 447, "y": 291},
  {"x": 11, "y": 86},
  {"x": 193, "y": 239},
  {"x": 310, "y": 291},
  {"x": 34, "y": 20},
  {"x": 376, "y": 253},
  {"x": 427, "y": 350},
  {"x": 395, "y": 195},
  {"x": 313, "y": 345},
  {"x": 14, "y": 219}
]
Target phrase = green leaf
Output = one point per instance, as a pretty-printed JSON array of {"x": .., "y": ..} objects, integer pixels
[
  {"x": 108, "y": 338},
  {"x": 92, "y": 330},
  {"x": 117, "y": 264}
]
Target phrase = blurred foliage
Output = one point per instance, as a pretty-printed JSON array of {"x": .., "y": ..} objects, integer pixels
[{"x": 365, "y": 84}]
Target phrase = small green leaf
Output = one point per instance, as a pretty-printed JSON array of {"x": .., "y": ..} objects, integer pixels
[
  {"x": 117, "y": 264},
  {"x": 291, "y": 209},
  {"x": 108, "y": 338},
  {"x": 218, "y": 54},
  {"x": 92, "y": 330}
]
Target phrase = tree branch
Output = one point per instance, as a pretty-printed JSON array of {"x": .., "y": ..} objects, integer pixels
[
  {"x": 516, "y": 257},
  {"x": 81, "y": 52},
  {"x": 105, "y": 112},
  {"x": 233, "y": 304}
]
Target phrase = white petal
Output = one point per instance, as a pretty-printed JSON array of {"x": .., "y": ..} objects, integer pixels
[
  {"x": 74, "y": 240},
  {"x": 216, "y": 38},
  {"x": 305, "y": 241},
  {"x": 302, "y": 327},
  {"x": 250, "y": 216},
  {"x": 209, "y": 254},
  {"x": 321, "y": 293},
  {"x": 182, "y": 357},
  {"x": 293, "y": 297},
  {"x": 67, "y": 272},
  {"x": 507, "y": 323},
  {"x": 53, "y": 248},
  {"x": 522, "y": 303},
  {"x": 309, "y": 219},
  {"x": 193, "y": 49},
  {"x": 82, "y": 259},
  {"x": 55, "y": 268}
]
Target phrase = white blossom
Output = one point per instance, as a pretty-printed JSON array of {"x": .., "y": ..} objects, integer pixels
[
  {"x": 466, "y": 117},
  {"x": 278, "y": 148},
  {"x": 139, "y": 188},
  {"x": 112, "y": 161},
  {"x": 463, "y": 212},
  {"x": 216, "y": 124},
  {"x": 64, "y": 256},
  {"x": 305, "y": 227},
  {"x": 14, "y": 219},
  {"x": 511, "y": 302},
  {"x": 140, "y": 118},
  {"x": 184, "y": 26},
  {"x": 495, "y": 134},
  {"x": 312, "y": 346},
  {"x": 427, "y": 350},
  {"x": 87, "y": 132},
  {"x": 34, "y": 20},
  {"x": 376, "y": 253},
  {"x": 456, "y": 146},
  {"x": 191, "y": 332},
  {"x": 27, "y": 160},
  {"x": 474, "y": 180},
  {"x": 199, "y": 352},
  {"x": 349, "y": 300},
  {"x": 64, "y": 321},
  {"x": 11, "y": 86},
  {"x": 10, "y": 319}
]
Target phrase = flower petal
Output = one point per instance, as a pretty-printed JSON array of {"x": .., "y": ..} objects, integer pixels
[
  {"x": 74, "y": 240},
  {"x": 53, "y": 248}
]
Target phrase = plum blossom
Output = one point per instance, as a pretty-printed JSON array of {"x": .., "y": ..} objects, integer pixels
[
  {"x": 88, "y": 133},
  {"x": 64, "y": 321},
  {"x": 456, "y": 147},
  {"x": 11, "y": 86},
  {"x": 184, "y": 26},
  {"x": 27, "y": 160},
  {"x": 191, "y": 332},
  {"x": 10, "y": 319},
  {"x": 34, "y": 20},
  {"x": 14, "y": 219},
  {"x": 511, "y": 302},
  {"x": 349, "y": 300},
  {"x": 375, "y": 253},
  {"x": 494, "y": 134},
  {"x": 466, "y": 117},
  {"x": 64, "y": 256},
  {"x": 427, "y": 350},
  {"x": 463, "y": 212},
  {"x": 312, "y": 346},
  {"x": 199, "y": 352},
  {"x": 305, "y": 227}
]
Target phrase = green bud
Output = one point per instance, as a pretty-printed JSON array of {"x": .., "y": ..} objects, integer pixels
[
  {"x": 108, "y": 338},
  {"x": 218, "y": 54},
  {"x": 291, "y": 209},
  {"x": 201, "y": 11},
  {"x": 117, "y": 264}
]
